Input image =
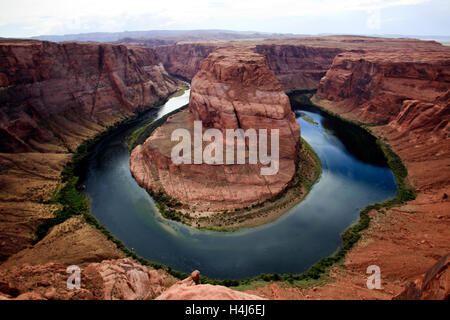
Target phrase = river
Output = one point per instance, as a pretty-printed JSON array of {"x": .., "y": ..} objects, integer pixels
[{"x": 353, "y": 177}]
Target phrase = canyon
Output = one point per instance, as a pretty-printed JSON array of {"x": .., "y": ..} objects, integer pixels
[
  {"x": 51, "y": 93},
  {"x": 234, "y": 89},
  {"x": 295, "y": 66},
  {"x": 377, "y": 87},
  {"x": 53, "y": 96},
  {"x": 298, "y": 63}
]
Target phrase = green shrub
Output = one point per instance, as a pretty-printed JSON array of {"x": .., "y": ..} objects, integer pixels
[{"x": 74, "y": 203}]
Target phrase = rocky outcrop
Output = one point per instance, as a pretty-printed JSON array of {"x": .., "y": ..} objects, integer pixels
[
  {"x": 191, "y": 289},
  {"x": 71, "y": 242},
  {"x": 298, "y": 66},
  {"x": 409, "y": 91},
  {"x": 125, "y": 280},
  {"x": 120, "y": 279},
  {"x": 373, "y": 86},
  {"x": 52, "y": 97},
  {"x": 434, "y": 285},
  {"x": 184, "y": 59},
  {"x": 424, "y": 117},
  {"x": 298, "y": 63},
  {"x": 51, "y": 93},
  {"x": 234, "y": 89},
  {"x": 295, "y": 66}
]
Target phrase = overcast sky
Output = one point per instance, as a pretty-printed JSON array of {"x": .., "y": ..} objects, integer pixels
[{"x": 24, "y": 18}]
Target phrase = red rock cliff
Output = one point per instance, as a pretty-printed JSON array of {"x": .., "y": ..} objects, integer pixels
[
  {"x": 51, "y": 92},
  {"x": 298, "y": 63},
  {"x": 184, "y": 59},
  {"x": 374, "y": 85},
  {"x": 409, "y": 91},
  {"x": 52, "y": 97},
  {"x": 234, "y": 89},
  {"x": 298, "y": 66}
]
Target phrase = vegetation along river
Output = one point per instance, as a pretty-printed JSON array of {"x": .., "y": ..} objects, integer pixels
[{"x": 354, "y": 175}]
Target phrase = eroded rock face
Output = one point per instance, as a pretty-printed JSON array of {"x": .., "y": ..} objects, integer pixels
[
  {"x": 50, "y": 93},
  {"x": 374, "y": 86},
  {"x": 184, "y": 59},
  {"x": 409, "y": 91},
  {"x": 434, "y": 285},
  {"x": 191, "y": 289},
  {"x": 409, "y": 239},
  {"x": 120, "y": 279},
  {"x": 52, "y": 97},
  {"x": 298, "y": 63},
  {"x": 108, "y": 280},
  {"x": 425, "y": 117},
  {"x": 125, "y": 280},
  {"x": 298, "y": 66},
  {"x": 234, "y": 89}
]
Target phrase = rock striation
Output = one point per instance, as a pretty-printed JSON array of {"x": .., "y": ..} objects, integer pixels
[
  {"x": 407, "y": 92},
  {"x": 184, "y": 59},
  {"x": 120, "y": 279},
  {"x": 191, "y": 289},
  {"x": 375, "y": 86},
  {"x": 298, "y": 66},
  {"x": 52, "y": 97},
  {"x": 298, "y": 63},
  {"x": 234, "y": 89},
  {"x": 50, "y": 93}
]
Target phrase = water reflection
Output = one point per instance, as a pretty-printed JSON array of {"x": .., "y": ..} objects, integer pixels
[{"x": 311, "y": 230}]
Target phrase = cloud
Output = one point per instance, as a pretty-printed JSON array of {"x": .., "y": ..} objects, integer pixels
[
  {"x": 374, "y": 20},
  {"x": 59, "y": 17}
]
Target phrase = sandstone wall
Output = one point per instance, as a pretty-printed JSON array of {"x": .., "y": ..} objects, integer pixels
[
  {"x": 298, "y": 66},
  {"x": 52, "y": 97},
  {"x": 234, "y": 89},
  {"x": 184, "y": 59},
  {"x": 374, "y": 86},
  {"x": 295, "y": 66},
  {"x": 51, "y": 92}
]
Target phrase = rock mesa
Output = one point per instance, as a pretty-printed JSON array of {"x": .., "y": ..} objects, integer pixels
[{"x": 233, "y": 89}]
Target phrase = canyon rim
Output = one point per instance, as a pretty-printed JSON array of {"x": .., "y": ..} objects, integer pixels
[{"x": 60, "y": 101}]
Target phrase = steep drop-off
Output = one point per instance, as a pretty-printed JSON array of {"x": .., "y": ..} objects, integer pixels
[
  {"x": 52, "y": 97},
  {"x": 234, "y": 89},
  {"x": 184, "y": 59},
  {"x": 407, "y": 92},
  {"x": 374, "y": 86},
  {"x": 51, "y": 93},
  {"x": 405, "y": 241},
  {"x": 295, "y": 66},
  {"x": 298, "y": 66},
  {"x": 298, "y": 63}
]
